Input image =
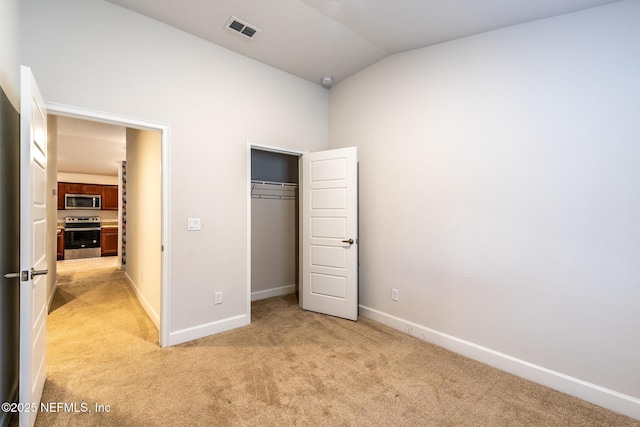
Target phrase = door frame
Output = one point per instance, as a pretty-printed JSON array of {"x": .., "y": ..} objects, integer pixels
[
  {"x": 86, "y": 114},
  {"x": 255, "y": 145}
]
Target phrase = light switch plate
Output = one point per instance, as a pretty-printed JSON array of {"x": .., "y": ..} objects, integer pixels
[{"x": 193, "y": 224}]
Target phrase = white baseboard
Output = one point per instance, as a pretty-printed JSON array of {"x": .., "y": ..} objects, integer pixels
[
  {"x": 153, "y": 315},
  {"x": 50, "y": 297},
  {"x": 607, "y": 398},
  {"x": 201, "y": 331},
  {"x": 274, "y": 292}
]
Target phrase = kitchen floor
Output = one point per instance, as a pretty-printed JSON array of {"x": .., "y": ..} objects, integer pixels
[{"x": 71, "y": 265}]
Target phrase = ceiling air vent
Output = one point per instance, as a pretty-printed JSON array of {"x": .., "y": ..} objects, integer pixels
[{"x": 238, "y": 26}]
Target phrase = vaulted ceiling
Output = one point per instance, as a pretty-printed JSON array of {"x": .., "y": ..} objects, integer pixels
[
  {"x": 310, "y": 39},
  {"x": 316, "y": 38}
]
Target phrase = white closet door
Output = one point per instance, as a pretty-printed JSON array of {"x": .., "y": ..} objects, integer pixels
[{"x": 329, "y": 200}]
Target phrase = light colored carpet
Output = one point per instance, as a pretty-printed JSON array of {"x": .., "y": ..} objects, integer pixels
[{"x": 289, "y": 367}]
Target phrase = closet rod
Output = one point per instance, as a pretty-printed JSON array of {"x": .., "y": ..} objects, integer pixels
[
  {"x": 272, "y": 197},
  {"x": 282, "y": 184}
]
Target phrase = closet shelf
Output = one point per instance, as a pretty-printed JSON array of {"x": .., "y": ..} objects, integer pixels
[
  {"x": 273, "y": 190},
  {"x": 278, "y": 184}
]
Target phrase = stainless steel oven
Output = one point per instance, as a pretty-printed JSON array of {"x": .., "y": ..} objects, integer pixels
[{"x": 82, "y": 237}]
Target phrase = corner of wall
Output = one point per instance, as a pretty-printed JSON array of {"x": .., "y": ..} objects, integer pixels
[
  {"x": 601, "y": 396},
  {"x": 202, "y": 331}
]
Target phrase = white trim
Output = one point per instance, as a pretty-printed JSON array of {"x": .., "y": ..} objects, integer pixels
[
  {"x": 51, "y": 296},
  {"x": 273, "y": 148},
  {"x": 83, "y": 113},
  {"x": 155, "y": 318},
  {"x": 202, "y": 331},
  {"x": 248, "y": 246},
  {"x": 252, "y": 144},
  {"x": 273, "y": 292},
  {"x": 607, "y": 398}
]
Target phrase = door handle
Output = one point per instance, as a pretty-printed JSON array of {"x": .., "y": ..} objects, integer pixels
[
  {"x": 23, "y": 276},
  {"x": 37, "y": 272},
  {"x": 350, "y": 241}
]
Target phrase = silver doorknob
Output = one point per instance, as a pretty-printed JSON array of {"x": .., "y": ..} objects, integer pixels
[
  {"x": 12, "y": 275},
  {"x": 38, "y": 272},
  {"x": 350, "y": 241}
]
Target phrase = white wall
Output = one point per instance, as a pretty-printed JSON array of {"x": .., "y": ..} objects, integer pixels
[
  {"x": 499, "y": 193},
  {"x": 213, "y": 101},
  {"x": 144, "y": 218},
  {"x": 273, "y": 247},
  {"x": 9, "y": 50},
  {"x": 86, "y": 178}
]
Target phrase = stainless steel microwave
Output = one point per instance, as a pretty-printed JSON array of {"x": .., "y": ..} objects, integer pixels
[{"x": 82, "y": 201}]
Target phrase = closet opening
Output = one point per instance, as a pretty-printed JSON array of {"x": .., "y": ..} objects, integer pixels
[{"x": 274, "y": 229}]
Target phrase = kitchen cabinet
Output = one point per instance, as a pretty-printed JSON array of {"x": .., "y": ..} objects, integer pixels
[
  {"x": 60, "y": 244},
  {"x": 110, "y": 197},
  {"x": 72, "y": 188},
  {"x": 109, "y": 241},
  {"x": 91, "y": 189},
  {"x": 79, "y": 188},
  {"x": 61, "y": 192},
  {"x": 109, "y": 193}
]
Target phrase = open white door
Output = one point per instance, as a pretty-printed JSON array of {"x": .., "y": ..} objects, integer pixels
[
  {"x": 33, "y": 245},
  {"x": 329, "y": 279}
]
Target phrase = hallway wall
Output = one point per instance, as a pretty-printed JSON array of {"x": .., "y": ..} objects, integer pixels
[
  {"x": 52, "y": 205},
  {"x": 144, "y": 218}
]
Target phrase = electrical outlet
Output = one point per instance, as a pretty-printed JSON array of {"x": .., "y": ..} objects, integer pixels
[
  {"x": 394, "y": 295},
  {"x": 218, "y": 298}
]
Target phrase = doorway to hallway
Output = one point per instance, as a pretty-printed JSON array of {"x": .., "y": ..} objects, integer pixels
[{"x": 146, "y": 216}]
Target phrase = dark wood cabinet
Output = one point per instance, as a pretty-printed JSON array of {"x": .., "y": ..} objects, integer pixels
[
  {"x": 73, "y": 188},
  {"x": 61, "y": 192},
  {"x": 60, "y": 244},
  {"x": 79, "y": 188},
  {"x": 109, "y": 193},
  {"x": 109, "y": 241},
  {"x": 91, "y": 189},
  {"x": 110, "y": 197}
]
